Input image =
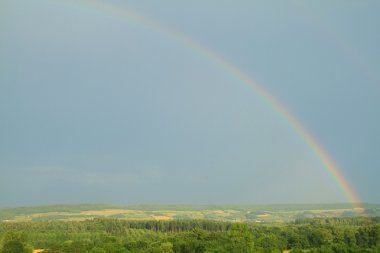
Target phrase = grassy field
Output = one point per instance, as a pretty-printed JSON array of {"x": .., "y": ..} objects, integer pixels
[{"x": 249, "y": 213}]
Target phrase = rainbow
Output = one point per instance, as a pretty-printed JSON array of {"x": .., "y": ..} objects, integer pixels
[{"x": 109, "y": 8}]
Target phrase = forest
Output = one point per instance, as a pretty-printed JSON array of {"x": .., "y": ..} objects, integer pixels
[{"x": 105, "y": 235}]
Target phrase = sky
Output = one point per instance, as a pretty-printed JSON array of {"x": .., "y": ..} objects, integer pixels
[{"x": 100, "y": 107}]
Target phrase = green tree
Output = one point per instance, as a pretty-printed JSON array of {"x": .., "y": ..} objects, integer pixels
[
  {"x": 98, "y": 250},
  {"x": 240, "y": 239},
  {"x": 20, "y": 236},
  {"x": 14, "y": 246},
  {"x": 166, "y": 247},
  {"x": 268, "y": 243}
]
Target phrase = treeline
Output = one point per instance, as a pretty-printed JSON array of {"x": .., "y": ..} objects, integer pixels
[
  {"x": 335, "y": 235},
  {"x": 357, "y": 221}
]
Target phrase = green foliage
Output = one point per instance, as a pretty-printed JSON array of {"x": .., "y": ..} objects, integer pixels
[
  {"x": 15, "y": 246},
  {"x": 240, "y": 239},
  {"x": 191, "y": 236},
  {"x": 166, "y": 247},
  {"x": 20, "y": 236}
]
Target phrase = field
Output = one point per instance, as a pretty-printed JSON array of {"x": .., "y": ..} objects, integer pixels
[
  {"x": 243, "y": 213},
  {"x": 313, "y": 228}
]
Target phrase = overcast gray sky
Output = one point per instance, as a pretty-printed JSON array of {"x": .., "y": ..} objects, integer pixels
[{"x": 99, "y": 108}]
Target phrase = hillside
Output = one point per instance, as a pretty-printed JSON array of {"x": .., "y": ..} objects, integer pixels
[{"x": 248, "y": 213}]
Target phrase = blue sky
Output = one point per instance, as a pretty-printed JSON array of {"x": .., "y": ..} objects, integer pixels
[{"x": 96, "y": 108}]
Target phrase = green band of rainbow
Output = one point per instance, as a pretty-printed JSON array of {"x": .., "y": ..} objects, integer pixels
[{"x": 329, "y": 165}]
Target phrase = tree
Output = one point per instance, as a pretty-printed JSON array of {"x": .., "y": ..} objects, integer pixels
[
  {"x": 166, "y": 247},
  {"x": 14, "y": 246},
  {"x": 240, "y": 239},
  {"x": 268, "y": 243},
  {"x": 16, "y": 236}
]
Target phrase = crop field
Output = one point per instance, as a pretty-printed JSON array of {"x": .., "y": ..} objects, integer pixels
[{"x": 243, "y": 213}]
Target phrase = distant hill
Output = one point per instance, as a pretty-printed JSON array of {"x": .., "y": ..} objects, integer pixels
[{"x": 250, "y": 213}]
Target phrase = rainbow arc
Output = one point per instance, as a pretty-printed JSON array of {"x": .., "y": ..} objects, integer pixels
[{"x": 310, "y": 141}]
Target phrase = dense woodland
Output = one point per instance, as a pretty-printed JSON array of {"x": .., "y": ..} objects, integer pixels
[{"x": 120, "y": 236}]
